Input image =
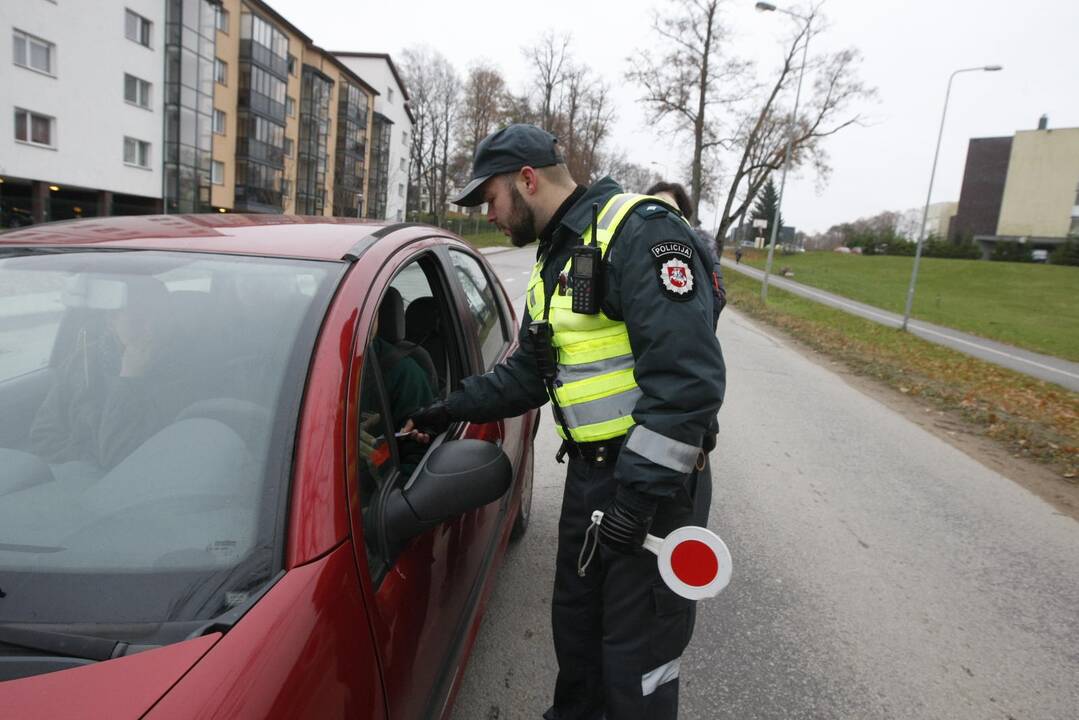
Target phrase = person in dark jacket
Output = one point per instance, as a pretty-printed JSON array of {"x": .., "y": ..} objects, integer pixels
[
  {"x": 677, "y": 196},
  {"x": 636, "y": 385},
  {"x": 120, "y": 384}
]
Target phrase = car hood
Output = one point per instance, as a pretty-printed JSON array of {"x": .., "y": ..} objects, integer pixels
[{"x": 126, "y": 687}]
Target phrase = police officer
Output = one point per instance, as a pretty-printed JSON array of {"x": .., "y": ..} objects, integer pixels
[{"x": 636, "y": 387}]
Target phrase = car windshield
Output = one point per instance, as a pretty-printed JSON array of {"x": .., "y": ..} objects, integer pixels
[{"x": 150, "y": 401}]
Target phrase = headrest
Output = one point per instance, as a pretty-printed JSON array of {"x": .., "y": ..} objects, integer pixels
[
  {"x": 391, "y": 317},
  {"x": 421, "y": 319}
]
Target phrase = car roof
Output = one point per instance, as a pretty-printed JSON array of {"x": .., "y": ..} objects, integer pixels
[{"x": 314, "y": 238}]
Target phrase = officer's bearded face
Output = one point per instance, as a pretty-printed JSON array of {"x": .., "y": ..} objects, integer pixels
[
  {"x": 507, "y": 209},
  {"x": 522, "y": 221}
]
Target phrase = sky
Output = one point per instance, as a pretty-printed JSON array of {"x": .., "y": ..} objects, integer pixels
[{"x": 909, "y": 49}]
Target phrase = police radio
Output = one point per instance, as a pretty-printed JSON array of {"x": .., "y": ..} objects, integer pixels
[{"x": 586, "y": 272}]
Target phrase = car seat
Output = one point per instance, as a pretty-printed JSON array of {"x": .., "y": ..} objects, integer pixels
[
  {"x": 391, "y": 328},
  {"x": 423, "y": 326}
]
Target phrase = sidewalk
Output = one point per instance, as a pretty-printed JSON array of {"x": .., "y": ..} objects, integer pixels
[{"x": 1043, "y": 367}]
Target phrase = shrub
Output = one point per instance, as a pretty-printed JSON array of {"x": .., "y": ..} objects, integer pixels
[
  {"x": 1066, "y": 254},
  {"x": 1011, "y": 252}
]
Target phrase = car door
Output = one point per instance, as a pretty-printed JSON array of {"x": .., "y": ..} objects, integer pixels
[
  {"x": 423, "y": 591},
  {"x": 484, "y": 306}
]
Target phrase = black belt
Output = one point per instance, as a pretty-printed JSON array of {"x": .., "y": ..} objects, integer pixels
[{"x": 602, "y": 452}]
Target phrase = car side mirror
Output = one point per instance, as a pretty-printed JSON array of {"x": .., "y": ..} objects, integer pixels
[{"x": 458, "y": 476}]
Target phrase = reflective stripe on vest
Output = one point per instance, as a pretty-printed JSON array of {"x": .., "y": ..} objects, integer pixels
[{"x": 595, "y": 386}]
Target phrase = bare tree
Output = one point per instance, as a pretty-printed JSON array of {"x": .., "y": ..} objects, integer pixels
[
  {"x": 690, "y": 78},
  {"x": 447, "y": 107},
  {"x": 759, "y": 141},
  {"x": 631, "y": 176},
  {"x": 570, "y": 102},
  {"x": 549, "y": 60},
  {"x": 435, "y": 90},
  {"x": 482, "y": 105},
  {"x": 420, "y": 89},
  {"x": 598, "y": 117},
  {"x": 519, "y": 109}
]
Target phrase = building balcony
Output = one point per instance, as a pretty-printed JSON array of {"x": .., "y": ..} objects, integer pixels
[
  {"x": 263, "y": 152},
  {"x": 264, "y": 58},
  {"x": 267, "y": 107},
  {"x": 258, "y": 200}
]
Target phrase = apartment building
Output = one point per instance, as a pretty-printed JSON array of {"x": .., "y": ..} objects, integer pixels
[
  {"x": 188, "y": 106},
  {"x": 390, "y": 133},
  {"x": 286, "y": 126},
  {"x": 82, "y": 122}
]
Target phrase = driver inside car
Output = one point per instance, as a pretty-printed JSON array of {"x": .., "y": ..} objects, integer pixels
[
  {"x": 408, "y": 387},
  {"x": 120, "y": 382}
]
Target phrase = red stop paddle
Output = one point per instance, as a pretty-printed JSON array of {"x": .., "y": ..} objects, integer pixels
[{"x": 693, "y": 561}]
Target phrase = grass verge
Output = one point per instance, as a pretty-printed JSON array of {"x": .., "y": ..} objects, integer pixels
[
  {"x": 1029, "y": 305},
  {"x": 1031, "y": 418},
  {"x": 487, "y": 239}
]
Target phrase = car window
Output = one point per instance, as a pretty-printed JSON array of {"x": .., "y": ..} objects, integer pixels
[
  {"x": 155, "y": 449},
  {"x": 479, "y": 293},
  {"x": 410, "y": 360}
]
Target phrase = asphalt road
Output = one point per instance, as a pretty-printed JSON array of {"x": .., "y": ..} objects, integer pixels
[
  {"x": 1043, "y": 367},
  {"x": 879, "y": 572}
]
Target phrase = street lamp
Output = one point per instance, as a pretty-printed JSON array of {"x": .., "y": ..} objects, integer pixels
[
  {"x": 769, "y": 7},
  {"x": 932, "y": 175},
  {"x": 666, "y": 178}
]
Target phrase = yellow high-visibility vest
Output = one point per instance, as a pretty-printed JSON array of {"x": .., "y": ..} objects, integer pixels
[{"x": 594, "y": 387}]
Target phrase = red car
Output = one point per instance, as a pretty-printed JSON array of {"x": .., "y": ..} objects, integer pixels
[{"x": 206, "y": 508}]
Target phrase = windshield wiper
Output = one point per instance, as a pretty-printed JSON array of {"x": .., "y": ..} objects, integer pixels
[{"x": 85, "y": 647}]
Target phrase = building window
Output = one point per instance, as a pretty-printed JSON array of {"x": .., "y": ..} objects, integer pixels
[
  {"x": 288, "y": 146},
  {"x": 217, "y": 172},
  {"x": 136, "y": 152},
  {"x": 137, "y": 28},
  {"x": 400, "y": 190},
  {"x": 290, "y": 107},
  {"x": 402, "y": 163},
  {"x": 292, "y": 68},
  {"x": 221, "y": 19},
  {"x": 136, "y": 91},
  {"x": 221, "y": 71},
  {"x": 34, "y": 53},
  {"x": 253, "y": 27},
  {"x": 35, "y": 129},
  {"x": 219, "y": 122},
  {"x": 404, "y": 138},
  {"x": 389, "y": 94}
]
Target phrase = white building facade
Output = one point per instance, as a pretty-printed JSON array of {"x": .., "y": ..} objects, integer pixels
[
  {"x": 390, "y": 137},
  {"x": 81, "y": 127}
]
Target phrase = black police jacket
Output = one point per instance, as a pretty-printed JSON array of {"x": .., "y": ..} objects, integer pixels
[{"x": 678, "y": 362}]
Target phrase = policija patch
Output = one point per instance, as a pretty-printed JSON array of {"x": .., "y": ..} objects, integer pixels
[{"x": 673, "y": 265}]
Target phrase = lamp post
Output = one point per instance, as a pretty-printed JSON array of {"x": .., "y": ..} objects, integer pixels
[
  {"x": 769, "y": 7},
  {"x": 666, "y": 177},
  {"x": 932, "y": 175}
]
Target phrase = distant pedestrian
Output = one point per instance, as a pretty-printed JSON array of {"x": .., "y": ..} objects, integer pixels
[{"x": 738, "y": 255}]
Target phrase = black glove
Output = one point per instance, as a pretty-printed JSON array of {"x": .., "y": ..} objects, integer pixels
[
  {"x": 626, "y": 521},
  {"x": 433, "y": 419}
]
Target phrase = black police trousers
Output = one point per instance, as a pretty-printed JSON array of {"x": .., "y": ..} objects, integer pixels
[{"x": 619, "y": 632}]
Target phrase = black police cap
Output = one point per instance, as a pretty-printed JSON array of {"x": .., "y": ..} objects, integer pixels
[{"x": 505, "y": 151}]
